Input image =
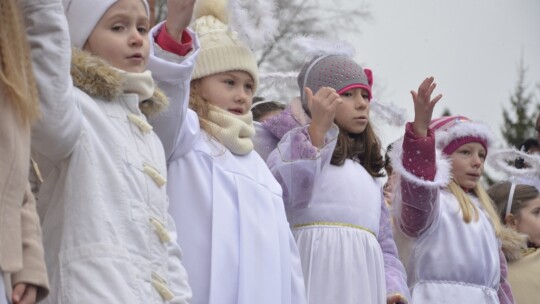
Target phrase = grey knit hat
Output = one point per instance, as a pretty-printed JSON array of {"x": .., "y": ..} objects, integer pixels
[{"x": 335, "y": 71}]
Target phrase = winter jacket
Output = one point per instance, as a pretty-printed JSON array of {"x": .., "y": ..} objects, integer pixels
[
  {"x": 103, "y": 204},
  {"x": 21, "y": 251}
]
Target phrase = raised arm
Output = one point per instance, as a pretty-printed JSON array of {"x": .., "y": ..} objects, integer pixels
[
  {"x": 56, "y": 133},
  {"x": 421, "y": 173},
  {"x": 303, "y": 152},
  {"x": 172, "y": 59}
]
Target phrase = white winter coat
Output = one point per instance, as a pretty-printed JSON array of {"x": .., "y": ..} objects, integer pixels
[{"x": 103, "y": 205}]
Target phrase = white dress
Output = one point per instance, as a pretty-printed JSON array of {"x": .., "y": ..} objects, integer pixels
[
  {"x": 452, "y": 261},
  {"x": 231, "y": 223},
  {"x": 447, "y": 259},
  {"x": 335, "y": 213}
]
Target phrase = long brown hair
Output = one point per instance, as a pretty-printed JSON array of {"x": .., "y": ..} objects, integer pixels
[
  {"x": 364, "y": 148},
  {"x": 16, "y": 75}
]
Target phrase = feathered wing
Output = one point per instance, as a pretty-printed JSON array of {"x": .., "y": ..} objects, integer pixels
[
  {"x": 254, "y": 21},
  {"x": 390, "y": 113},
  {"x": 311, "y": 46}
]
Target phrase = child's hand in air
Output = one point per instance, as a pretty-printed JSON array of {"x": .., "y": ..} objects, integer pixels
[
  {"x": 423, "y": 106},
  {"x": 323, "y": 110},
  {"x": 179, "y": 14}
]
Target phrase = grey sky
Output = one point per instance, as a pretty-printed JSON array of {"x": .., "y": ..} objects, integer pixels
[{"x": 472, "y": 48}]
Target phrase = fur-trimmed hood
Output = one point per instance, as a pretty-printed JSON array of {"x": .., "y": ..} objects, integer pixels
[
  {"x": 513, "y": 243},
  {"x": 97, "y": 78}
]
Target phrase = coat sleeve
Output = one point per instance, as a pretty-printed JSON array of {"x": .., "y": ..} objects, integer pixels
[
  {"x": 421, "y": 173},
  {"x": 176, "y": 128},
  {"x": 58, "y": 130},
  {"x": 296, "y": 163},
  {"x": 396, "y": 278},
  {"x": 34, "y": 271}
]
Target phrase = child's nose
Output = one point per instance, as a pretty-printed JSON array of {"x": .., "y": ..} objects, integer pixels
[
  {"x": 361, "y": 102},
  {"x": 136, "y": 38},
  {"x": 241, "y": 95}
]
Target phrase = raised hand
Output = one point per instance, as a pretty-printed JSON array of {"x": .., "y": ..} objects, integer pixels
[
  {"x": 396, "y": 299},
  {"x": 323, "y": 110},
  {"x": 179, "y": 14},
  {"x": 423, "y": 106}
]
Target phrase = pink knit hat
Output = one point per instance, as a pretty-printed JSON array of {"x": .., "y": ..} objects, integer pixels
[{"x": 452, "y": 132}]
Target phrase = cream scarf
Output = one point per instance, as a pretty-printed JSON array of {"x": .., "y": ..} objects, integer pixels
[
  {"x": 141, "y": 84},
  {"x": 233, "y": 131}
]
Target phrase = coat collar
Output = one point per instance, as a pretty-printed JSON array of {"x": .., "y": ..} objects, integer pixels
[{"x": 97, "y": 78}]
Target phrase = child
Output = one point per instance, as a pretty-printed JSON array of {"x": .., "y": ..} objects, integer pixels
[
  {"x": 333, "y": 199},
  {"x": 263, "y": 110},
  {"x": 519, "y": 209},
  {"x": 237, "y": 246},
  {"x": 389, "y": 184},
  {"x": 103, "y": 203},
  {"x": 444, "y": 216},
  {"x": 282, "y": 118},
  {"x": 23, "y": 277}
]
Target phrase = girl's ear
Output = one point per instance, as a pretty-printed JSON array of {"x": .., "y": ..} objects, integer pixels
[{"x": 511, "y": 221}]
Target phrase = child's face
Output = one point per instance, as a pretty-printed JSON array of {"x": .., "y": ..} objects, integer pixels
[
  {"x": 232, "y": 91},
  {"x": 468, "y": 164},
  {"x": 120, "y": 37},
  {"x": 528, "y": 220},
  {"x": 352, "y": 115}
]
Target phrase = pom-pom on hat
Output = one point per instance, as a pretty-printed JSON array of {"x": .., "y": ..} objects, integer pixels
[
  {"x": 335, "y": 71},
  {"x": 83, "y": 15},
  {"x": 452, "y": 132},
  {"x": 221, "y": 50}
]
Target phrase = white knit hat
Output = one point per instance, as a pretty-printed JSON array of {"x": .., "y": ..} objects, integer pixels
[
  {"x": 221, "y": 50},
  {"x": 83, "y": 15}
]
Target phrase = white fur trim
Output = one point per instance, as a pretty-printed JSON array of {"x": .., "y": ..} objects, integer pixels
[
  {"x": 463, "y": 129},
  {"x": 443, "y": 165}
]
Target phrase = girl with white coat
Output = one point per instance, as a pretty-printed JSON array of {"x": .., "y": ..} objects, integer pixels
[
  {"x": 107, "y": 233},
  {"x": 228, "y": 208}
]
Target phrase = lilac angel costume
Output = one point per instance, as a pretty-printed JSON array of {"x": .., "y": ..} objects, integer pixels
[{"x": 340, "y": 223}]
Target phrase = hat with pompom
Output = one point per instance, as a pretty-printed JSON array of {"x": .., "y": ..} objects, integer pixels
[
  {"x": 452, "y": 132},
  {"x": 221, "y": 50},
  {"x": 83, "y": 15},
  {"x": 335, "y": 71}
]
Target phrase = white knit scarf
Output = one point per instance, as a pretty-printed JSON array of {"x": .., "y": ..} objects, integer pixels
[
  {"x": 141, "y": 84},
  {"x": 233, "y": 131}
]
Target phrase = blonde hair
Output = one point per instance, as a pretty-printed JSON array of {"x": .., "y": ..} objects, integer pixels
[
  {"x": 470, "y": 211},
  {"x": 16, "y": 74},
  {"x": 199, "y": 105}
]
